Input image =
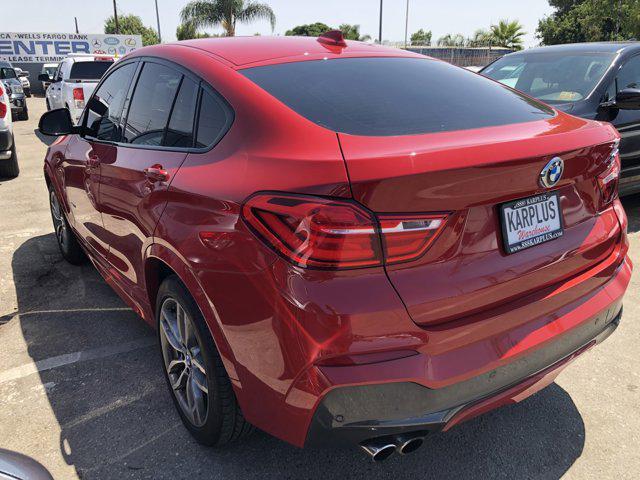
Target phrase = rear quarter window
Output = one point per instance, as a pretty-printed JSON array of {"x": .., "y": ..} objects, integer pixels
[{"x": 394, "y": 96}]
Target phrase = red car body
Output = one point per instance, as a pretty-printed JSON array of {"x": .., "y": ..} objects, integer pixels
[{"x": 379, "y": 348}]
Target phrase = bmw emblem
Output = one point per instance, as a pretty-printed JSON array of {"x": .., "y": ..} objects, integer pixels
[{"x": 552, "y": 172}]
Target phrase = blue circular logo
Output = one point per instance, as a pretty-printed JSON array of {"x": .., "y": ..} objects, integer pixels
[{"x": 552, "y": 172}]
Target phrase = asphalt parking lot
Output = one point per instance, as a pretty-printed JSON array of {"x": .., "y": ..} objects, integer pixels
[{"x": 81, "y": 388}]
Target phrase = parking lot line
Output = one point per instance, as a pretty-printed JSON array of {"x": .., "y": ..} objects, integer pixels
[{"x": 74, "y": 357}]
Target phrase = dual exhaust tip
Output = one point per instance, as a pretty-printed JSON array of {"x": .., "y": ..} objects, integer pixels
[{"x": 379, "y": 449}]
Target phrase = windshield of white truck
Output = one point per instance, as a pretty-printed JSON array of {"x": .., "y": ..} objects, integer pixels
[{"x": 88, "y": 70}]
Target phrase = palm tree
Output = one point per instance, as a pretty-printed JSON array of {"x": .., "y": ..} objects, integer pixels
[
  {"x": 211, "y": 13},
  {"x": 508, "y": 34},
  {"x": 450, "y": 40},
  {"x": 481, "y": 38},
  {"x": 352, "y": 32}
]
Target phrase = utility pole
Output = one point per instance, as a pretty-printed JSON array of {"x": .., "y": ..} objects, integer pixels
[
  {"x": 76, "y": 20},
  {"x": 618, "y": 19},
  {"x": 115, "y": 16},
  {"x": 380, "y": 30},
  {"x": 406, "y": 26},
  {"x": 158, "y": 20}
]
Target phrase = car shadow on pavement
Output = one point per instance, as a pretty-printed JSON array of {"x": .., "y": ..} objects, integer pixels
[{"x": 117, "y": 419}]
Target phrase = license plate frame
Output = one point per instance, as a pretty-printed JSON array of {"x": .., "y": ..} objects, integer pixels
[{"x": 533, "y": 239}]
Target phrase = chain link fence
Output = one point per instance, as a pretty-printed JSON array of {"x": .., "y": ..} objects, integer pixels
[{"x": 463, "y": 56}]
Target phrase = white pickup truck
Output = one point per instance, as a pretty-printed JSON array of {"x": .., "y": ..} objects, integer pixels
[
  {"x": 8, "y": 157},
  {"x": 74, "y": 81}
]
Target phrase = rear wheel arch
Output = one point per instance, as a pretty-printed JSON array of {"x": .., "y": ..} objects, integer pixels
[{"x": 160, "y": 263}]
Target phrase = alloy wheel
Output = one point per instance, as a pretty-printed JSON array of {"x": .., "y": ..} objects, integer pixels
[
  {"x": 59, "y": 224},
  {"x": 183, "y": 361}
]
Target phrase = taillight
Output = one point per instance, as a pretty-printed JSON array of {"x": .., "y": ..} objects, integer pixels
[
  {"x": 78, "y": 97},
  {"x": 3, "y": 106},
  {"x": 406, "y": 238},
  {"x": 315, "y": 232},
  {"x": 608, "y": 180},
  {"x": 333, "y": 234}
]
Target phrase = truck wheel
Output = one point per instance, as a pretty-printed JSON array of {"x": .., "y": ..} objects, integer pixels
[
  {"x": 25, "y": 114},
  {"x": 67, "y": 242},
  {"x": 9, "y": 168},
  {"x": 195, "y": 374}
]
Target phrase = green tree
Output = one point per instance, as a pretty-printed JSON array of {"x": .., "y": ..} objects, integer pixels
[
  {"x": 352, "y": 32},
  {"x": 309, "y": 30},
  {"x": 225, "y": 13},
  {"x": 508, "y": 34},
  {"x": 481, "y": 38},
  {"x": 186, "y": 31},
  {"x": 451, "y": 40},
  {"x": 131, "y": 25},
  {"x": 590, "y": 21},
  {"x": 421, "y": 37}
]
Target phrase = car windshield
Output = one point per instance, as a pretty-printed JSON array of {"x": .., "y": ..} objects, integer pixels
[
  {"x": 88, "y": 70},
  {"x": 551, "y": 77},
  {"x": 6, "y": 73},
  {"x": 393, "y": 96},
  {"x": 50, "y": 70}
]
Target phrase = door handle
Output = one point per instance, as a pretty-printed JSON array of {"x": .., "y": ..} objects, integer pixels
[{"x": 156, "y": 173}]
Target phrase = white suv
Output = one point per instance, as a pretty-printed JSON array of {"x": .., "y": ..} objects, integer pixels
[
  {"x": 8, "y": 158},
  {"x": 74, "y": 81}
]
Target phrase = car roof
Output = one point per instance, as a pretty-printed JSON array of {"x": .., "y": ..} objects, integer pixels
[
  {"x": 241, "y": 51},
  {"x": 587, "y": 47}
]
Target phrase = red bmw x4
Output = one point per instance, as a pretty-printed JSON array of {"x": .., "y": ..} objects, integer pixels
[{"x": 341, "y": 242}]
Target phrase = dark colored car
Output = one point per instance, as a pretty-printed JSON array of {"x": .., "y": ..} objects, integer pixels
[
  {"x": 598, "y": 81},
  {"x": 9, "y": 77},
  {"x": 341, "y": 242}
]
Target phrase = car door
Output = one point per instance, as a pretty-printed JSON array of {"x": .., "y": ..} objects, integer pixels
[
  {"x": 86, "y": 154},
  {"x": 156, "y": 139},
  {"x": 55, "y": 89},
  {"x": 627, "y": 121}
]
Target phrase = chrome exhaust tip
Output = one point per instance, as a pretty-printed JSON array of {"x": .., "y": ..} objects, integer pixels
[
  {"x": 379, "y": 450},
  {"x": 409, "y": 443}
]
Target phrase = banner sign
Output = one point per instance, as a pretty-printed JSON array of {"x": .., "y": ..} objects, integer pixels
[{"x": 53, "y": 47}]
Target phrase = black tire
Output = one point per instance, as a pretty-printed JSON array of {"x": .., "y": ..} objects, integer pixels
[
  {"x": 67, "y": 242},
  {"x": 10, "y": 168},
  {"x": 25, "y": 114},
  {"x": 224, "y": 422}
]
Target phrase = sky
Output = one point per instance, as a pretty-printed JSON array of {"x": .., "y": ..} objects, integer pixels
[{"x": 439, "y": 16}]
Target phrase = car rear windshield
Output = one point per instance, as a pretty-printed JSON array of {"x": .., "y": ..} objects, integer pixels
[
  {"x": 394, "y": 96},
  {"x": 552, "y": 77},
  {"x": 88, "y": 70}
]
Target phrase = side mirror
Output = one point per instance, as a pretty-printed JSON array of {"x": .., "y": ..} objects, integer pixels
[
  {"x": 44, "y": 77},
  {"x": 57, "y": 122},
  {"x": 628, "y": 99}
]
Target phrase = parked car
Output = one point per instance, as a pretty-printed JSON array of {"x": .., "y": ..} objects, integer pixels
[
  {"x": 358, "y": 244},
  {"x": 74, "y": 80},
  {"x": 8, "y": 156},
  {"x": 48, "y": 69},
  {"x": 19, "y": 107},
  {"x": 23, "y": 76},
  {"x": 598, "y": 81}
]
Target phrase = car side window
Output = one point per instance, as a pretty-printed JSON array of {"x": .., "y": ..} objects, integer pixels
[
  {"x": 180, "y": 129},
  {"x": 213, "y": 120},
  {"x": 628, "y": 77},
  {"x": 104, "y": 111},
  {"x": 151, "y": 104}
]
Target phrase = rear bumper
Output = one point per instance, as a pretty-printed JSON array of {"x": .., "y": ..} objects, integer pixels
[{"x": 353, "y": 414}]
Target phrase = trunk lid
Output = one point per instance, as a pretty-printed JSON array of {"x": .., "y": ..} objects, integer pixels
[{"x": 469, "y": 174}]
